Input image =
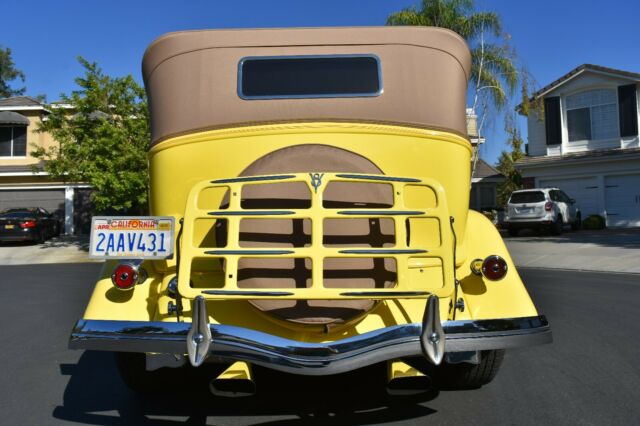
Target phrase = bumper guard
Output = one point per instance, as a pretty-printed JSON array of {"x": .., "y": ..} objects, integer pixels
[{"x": 227, "y": 343}]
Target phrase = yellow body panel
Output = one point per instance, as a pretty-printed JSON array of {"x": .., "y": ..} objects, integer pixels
[{"x": 180, "y": 164}]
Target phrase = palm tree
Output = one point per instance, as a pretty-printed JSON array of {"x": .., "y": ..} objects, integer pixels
[{"x": 493, "y": 69}]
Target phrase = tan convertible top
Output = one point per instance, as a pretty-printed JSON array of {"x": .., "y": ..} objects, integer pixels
[{"x": 191, "y": 78}]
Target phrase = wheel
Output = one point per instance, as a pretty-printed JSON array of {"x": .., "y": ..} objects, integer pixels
[
  {"x": 512, "y": 232},
  {"x": 469, "y": 376},
  {"x": 578, "y": 223},
  {"x": 556, "y": 228}
]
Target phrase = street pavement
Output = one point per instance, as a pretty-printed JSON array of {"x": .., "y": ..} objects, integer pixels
[
  {"x": 62, "y": 249},
  {"x": 589, "y": 375},
  {"x": 610, "y": 250}
]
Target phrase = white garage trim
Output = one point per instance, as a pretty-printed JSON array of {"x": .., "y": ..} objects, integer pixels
[
  {"x": 622, "y": 200},
  {"x": 14, "y": 188},
  {"x": 68, "y": 210}
]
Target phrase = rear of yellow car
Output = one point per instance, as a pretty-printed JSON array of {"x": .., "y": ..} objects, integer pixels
[{"x": 318, "y": 180}]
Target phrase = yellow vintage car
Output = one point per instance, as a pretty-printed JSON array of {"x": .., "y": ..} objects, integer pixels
[{"x": 309, "y": 192}]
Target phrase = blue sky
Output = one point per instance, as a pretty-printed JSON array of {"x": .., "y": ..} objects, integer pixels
[{"x": 551, "y": 37}]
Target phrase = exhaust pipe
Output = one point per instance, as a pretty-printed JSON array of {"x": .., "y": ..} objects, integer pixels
[
  {"x": 404, "y": 380},
  {"x": 235, "y": 382}
]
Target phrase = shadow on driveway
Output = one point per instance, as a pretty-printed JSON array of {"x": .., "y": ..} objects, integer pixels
[
  {"x": 96, "y": 395},
  {"x": 620, "y": 238},
  {"x": 81, "y": 242}
]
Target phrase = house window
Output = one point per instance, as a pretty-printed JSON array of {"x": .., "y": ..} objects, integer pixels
[
  {"x": 13, "y": 141},
  {"x": 592, "y": 115}
]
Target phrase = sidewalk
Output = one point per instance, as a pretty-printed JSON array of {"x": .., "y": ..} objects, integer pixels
[
  {"x": 609, "y": 250},
  {"x": 65, "y": 249}
]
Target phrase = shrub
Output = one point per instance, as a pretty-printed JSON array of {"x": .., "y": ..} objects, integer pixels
[{"x": 594, "y": 221}]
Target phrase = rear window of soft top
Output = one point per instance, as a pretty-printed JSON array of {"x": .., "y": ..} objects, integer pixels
[{"x": 527, "y": 197}]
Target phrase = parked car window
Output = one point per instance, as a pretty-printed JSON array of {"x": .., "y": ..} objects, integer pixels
[
  {"x": 554, "y": 196},
  {"x": 527, "y": 197},
  {"x": 564, "y": 197},
  {"x": 17, "y": 213}
]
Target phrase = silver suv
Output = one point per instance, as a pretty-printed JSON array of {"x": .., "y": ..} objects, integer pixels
[{"x": 541, "y": 208}]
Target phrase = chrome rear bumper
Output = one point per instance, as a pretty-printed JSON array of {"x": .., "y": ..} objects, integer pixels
[{"x": 230, "y": 343}]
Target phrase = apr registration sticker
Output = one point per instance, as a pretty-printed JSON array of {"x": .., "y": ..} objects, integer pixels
[{"x": 139, "y": 237}]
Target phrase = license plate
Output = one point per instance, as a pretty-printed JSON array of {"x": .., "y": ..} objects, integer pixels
[
  {"x": 9, "y": 226},
  {"x": 139, "y": 237}
]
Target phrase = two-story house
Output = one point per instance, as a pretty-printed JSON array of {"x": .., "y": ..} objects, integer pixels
[
  {"x": 587, "y": 143},
  {"x": 20, "y": 185}
]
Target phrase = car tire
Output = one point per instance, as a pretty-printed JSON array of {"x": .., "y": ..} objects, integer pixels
[
  {"x": 556, "y": 228},
  {"x": 513, "y": 232},
  {"x": 470, "y": 376},
  {"x": 575, "y": 226}
]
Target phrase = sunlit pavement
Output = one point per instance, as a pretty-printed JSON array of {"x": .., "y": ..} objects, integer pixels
[
  {"x": 62, "y": 249},
  {"x": 610, "y": 250}
]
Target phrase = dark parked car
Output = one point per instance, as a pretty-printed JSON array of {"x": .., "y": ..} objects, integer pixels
[{"x": 28, "y": 224}]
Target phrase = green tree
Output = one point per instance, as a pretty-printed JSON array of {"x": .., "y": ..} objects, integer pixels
[
  {"x": 102, "y": 136},
  {"x": 494, "y": 72},
  {"x": 9, "y": 73},
  {"x": 506, "y": 164}
]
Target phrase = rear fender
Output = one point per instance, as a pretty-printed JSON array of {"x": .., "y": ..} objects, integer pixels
[
  {"x": 138, "y": 304},
  {"x": 486, "y": 299}
]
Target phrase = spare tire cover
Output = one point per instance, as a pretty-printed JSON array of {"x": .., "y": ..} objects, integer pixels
[{"x": 292, "y": 273}]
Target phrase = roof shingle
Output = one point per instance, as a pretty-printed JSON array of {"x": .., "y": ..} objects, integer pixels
[{"x": 19, "y": 101}]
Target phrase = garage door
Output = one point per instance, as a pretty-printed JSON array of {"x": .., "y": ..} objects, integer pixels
[
  {"x": 583, "y": 190},
  {"x": 49, "y": 199},
  {"x": 622, "y": 198}
]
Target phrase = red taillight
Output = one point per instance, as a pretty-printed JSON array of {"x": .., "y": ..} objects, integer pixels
[
  {"x": 494, "y": 268},
  {"x": 125, "y": 276},
  {"x": 548, "y": 206},
  {"x": 28, "y": 224}
]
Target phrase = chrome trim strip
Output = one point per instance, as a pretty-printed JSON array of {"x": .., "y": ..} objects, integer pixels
[
  {"x": 381, "y": 212},
  {"x": 379, "y": 178},
  {"x": 246, "y": 293},
  {"x": 248, "y": 252},
  {"x": 382, "y": 251},
  {"x": 252, "y": 213},
  {"x": 231, "y": 343},
  {"x": 253, "y": 178},
  {"x": 385, "y": 293}
]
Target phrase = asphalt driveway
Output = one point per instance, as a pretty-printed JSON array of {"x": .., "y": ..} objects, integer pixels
[
  {"x": 608, "y": 250},
  {"x": 589, "y": 375},
  {"x": 62, "y": 249}
]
